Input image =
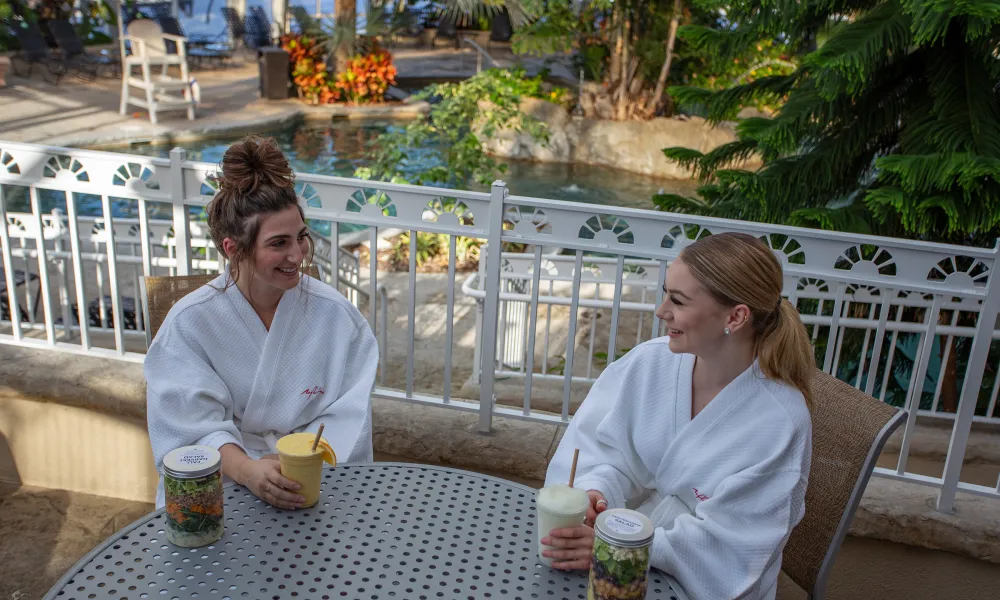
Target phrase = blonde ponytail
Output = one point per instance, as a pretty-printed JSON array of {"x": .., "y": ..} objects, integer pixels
[{"x": 784, "y": 351}]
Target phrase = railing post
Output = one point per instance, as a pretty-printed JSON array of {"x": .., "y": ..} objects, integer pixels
[
  {"x": 970, "y": 391},
  {"x": 182, "y": 230},
  {"x": 487, "y": 358},
  {"x": 7, "y": 261}
]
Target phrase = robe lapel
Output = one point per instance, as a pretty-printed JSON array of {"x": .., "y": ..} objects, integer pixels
[
  {"x": 689, "y": 431},
  {"x": 248, "y": 316},
  {"x": 258, "y": 418}
]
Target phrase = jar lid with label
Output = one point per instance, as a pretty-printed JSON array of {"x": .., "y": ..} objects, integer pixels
[
  {"x": 192, "y": 462},
  {"x": 624, "y": 528}
]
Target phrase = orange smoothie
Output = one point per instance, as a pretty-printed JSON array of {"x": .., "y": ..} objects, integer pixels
[{"x": 300, "y": 463}]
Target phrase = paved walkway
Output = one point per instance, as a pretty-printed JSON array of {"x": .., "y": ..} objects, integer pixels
[{"x": 78, "y": 113}]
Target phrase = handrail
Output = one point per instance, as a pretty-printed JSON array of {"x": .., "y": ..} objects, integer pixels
[{"x": 480, "y": 54}]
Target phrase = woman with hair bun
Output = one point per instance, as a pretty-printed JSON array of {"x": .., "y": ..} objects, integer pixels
[
  {"x": 706, "y": 431},
  {"x": 262, "y": 350}
]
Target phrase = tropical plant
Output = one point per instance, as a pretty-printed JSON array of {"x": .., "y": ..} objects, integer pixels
[
  {"x": 433, "y": 246},
  {"x": 891, "y": 125},
  {"x": 462, "y": 116},
  {"x": 310, "y": 74},
  {"x": 366, "y": 78}
]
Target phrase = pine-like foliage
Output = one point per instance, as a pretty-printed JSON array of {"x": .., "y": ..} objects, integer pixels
[{"x": 891, "y": 125}]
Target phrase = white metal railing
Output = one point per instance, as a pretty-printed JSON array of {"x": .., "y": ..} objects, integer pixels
[
  {"x": 875, "y": 301},
  {"x": 859, "y": 318}
]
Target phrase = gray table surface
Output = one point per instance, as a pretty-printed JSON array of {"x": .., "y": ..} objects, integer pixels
[{"x": 381, "y": 530}]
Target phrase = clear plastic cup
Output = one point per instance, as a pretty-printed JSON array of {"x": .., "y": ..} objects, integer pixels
[{"x": 558, "y": 506}]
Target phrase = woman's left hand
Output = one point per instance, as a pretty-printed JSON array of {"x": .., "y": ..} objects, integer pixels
[{"x": 575, "y": 547}]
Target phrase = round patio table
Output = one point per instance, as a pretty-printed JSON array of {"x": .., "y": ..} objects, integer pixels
[{"x": 379, "y": 531}]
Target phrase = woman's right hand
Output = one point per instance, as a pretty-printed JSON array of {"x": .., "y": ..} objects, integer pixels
[
  {"x": 598, "y": 504},
  {"x": 263, "y": 478}
]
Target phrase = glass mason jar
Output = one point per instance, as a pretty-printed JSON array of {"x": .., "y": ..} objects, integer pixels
[
  {"x": 192, "y": 482},
  {"x": 620, "y": 566}
]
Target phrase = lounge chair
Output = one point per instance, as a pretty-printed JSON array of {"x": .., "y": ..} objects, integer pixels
[
  {"x": 447, "y": 29},
  {"x": 34, "y": 51},
  {"x": 258, "y": 28},
  {"x": 199, "y": 49},
  {"x": 502, "y": 30},
  {"x": 75, "y": 54}
]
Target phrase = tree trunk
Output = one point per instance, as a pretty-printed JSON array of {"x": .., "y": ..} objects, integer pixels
[
  {"x": 345, "y": 16},
  {"x": 617, "y": 47},
  {"x": 661, "y": 83},
  {"x": 622, "y": 108}
]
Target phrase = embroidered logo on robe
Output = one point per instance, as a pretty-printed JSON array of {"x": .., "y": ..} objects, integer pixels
[
  {"x": 699, "y": 495},
  {"x": 315, "y": 391}
]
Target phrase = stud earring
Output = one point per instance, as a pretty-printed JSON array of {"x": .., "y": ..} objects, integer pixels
[{"x": 726, "y": 331}]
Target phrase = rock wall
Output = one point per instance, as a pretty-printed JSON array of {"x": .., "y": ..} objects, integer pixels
[{"x": 635, "y": 146}]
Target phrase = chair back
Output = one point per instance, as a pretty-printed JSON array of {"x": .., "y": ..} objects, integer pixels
[
  {"x": 236, "y": 28},
  {"x": 151, "y": 34},
  {"x": 447, "y": 27},
  {"x": 849, "y": 429},
  {"x": 258, "y": 28},
  {"x": 160, "y": 293},
  {"x": 66, "y": 38},
  {"x": 502, "y": 30},
  {"x": 170, "y": 26},
  {"x": 32, "y": 43}
]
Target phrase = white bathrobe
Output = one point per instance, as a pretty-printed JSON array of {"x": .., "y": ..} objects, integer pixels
[
  {"x": 215, "y": 375},
  {"x": 724, "y": 490}
]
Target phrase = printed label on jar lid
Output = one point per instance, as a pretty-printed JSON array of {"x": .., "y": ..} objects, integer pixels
[
  {"x": 191, "y": 461},
  {"x": 623, "y": 525},
  {"x": 193, "y": 457}
]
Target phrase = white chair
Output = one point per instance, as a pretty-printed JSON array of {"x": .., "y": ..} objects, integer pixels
[{"x": 149, "y": 51}]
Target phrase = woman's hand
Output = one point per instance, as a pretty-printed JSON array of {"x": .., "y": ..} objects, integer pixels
[
  {"x": 597, "y": 505},
  {"x": 263, "y": 478},
  {"x": 575, "y": 545}
]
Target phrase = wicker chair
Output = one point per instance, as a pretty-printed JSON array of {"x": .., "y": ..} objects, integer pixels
[
  {"x": 849, "y": 430},
  {"x": 160, "y": 293}
]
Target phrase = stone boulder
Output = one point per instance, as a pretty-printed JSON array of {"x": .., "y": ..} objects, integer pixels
[{"x": 635, "y": 146}]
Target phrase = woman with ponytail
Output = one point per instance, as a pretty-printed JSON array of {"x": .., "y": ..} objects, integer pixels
[
  {"x": 262, "y": 350},
  {"x": 707, "y": 430}
]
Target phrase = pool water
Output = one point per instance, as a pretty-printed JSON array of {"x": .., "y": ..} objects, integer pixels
[{"x": 340, "y": 148}]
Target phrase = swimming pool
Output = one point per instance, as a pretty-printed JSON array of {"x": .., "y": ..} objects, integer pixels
[{"x": 339, "y": 148}]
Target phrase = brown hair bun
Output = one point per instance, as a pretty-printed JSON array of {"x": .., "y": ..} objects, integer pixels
[{"x": 252, "y": 162}]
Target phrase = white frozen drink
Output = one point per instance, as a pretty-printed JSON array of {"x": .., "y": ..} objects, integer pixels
[{"x": 558, "y": 506}]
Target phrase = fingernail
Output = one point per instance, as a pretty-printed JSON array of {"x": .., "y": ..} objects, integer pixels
[{"x": 297, "y": 486}]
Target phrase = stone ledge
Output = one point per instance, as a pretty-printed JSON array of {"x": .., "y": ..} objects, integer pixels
[
  {"x": 106, "y": 386},
  {"x": 406, "y": 110},
  {"x": 891, "y": 510},
  {"x": 905, "y": 513}
]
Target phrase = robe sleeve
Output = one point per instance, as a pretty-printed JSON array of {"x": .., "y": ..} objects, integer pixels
[
  {"x": 608, "y": 462},
  {"x": 187, "y": 402},
  {"x": 347, "y": 420},
  {"x": 733, "y": 538}
]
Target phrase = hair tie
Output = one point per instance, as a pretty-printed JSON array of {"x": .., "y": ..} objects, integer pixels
[{"x": 778, "y": 305}]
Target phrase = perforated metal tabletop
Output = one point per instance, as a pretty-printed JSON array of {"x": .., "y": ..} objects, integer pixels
[{"x": 383, "y": 530}]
